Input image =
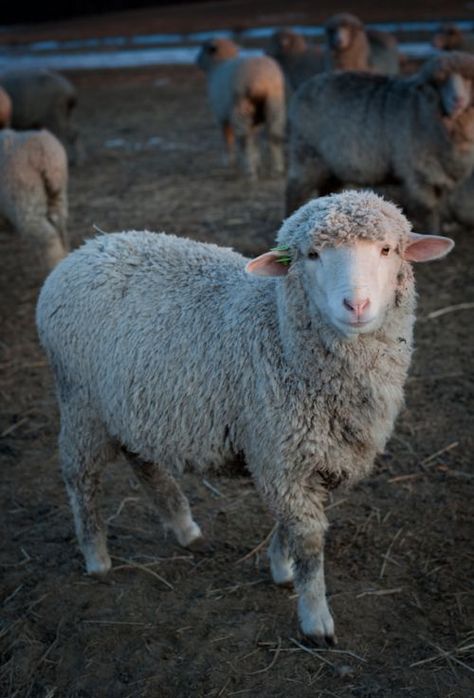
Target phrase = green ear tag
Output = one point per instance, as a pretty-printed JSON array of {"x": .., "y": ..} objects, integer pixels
[{"x": 283, "y": 258}]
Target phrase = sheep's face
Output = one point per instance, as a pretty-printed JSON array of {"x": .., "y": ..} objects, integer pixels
[
  {"x": 286, "y": 42},
  {"x": 353, "y": 285},
  {"x": 339, "y": 38},
  {"x": 449, "y": 38},
  {"x": 456, "y": 94},
  {"x": 215, "y": 51},
  {"x": 341, "y": 30}
]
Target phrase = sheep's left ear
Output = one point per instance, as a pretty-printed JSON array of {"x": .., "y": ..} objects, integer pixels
[
  {"x": 424, "y": 248},
  {"x": 269, "y": 264}
]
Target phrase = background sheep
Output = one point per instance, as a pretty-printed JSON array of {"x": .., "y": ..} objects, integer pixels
[
  {"x": 5, "y": 109},
  {"x": 459, "y": 206},
  {"x": 369, "y": 130},
  {"x": 33, "y": 190},
  {"x": 43, "y": 99},
  {"x": 245, "y": 93},
  {"x": 287, "y": 371},
  {"x": 298, "y": 60},
  {"x": 351, "y": 47},
  {"x": 451, "y": 38}
]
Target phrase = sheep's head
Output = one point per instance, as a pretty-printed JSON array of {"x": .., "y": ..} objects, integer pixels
[
  {"x": 351, "y": 251},
  {"x": 215, "y": 51},
  {"x": 450, "y": 38},
  {"x": 341, "y": 30},
  {"x": 452, "y": 74},
  {"x": 285, "y": 42}
]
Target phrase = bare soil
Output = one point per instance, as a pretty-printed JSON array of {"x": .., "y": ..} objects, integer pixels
[{"x": 167, "y": 622}]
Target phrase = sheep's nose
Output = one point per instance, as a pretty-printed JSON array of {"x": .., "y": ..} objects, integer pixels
[{"x": 356, "y": 306}]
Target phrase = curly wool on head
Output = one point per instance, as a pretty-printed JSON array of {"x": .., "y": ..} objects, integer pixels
[
  {"x": 440, "y": 67},
  {"x": 342, "y": 218}
]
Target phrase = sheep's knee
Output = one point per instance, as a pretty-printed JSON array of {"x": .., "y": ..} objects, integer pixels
[
  {"x": 281, "y": 562},
  {"x": 82, "y": 489},
  {"x": 168, "y": 499}
]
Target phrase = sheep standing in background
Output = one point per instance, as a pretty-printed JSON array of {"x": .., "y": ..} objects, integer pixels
[
  {"x": 451, "y": 38},
  {"x": 5, "y": 109},
  {"x": 370, "y": 130},
  {"x": 33, "y": 190},
  {"x": 298, "y": 60},
  {"x": 182, "y": 355},
  {"x": 43, "y": 99},
  {"x": 245, "y": 93},
  {"x": 351, "y": 47},
  {"x": 459, "y": 206}
]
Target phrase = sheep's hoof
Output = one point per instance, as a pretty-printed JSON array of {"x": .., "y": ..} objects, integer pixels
[
  {"x": 320, "y": 640},
  {"x": 316, "y": 622},
  {"x": 285, "y": 584},
  {"x": 200, "y": 545},
  {"x": 98, "y": 565}
]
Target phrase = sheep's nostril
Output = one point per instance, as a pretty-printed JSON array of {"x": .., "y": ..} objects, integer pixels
[{"x": 356, "y": 307}]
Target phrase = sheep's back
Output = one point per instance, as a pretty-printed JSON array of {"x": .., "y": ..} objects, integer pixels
[
  {"x": 144, "y": 326},
  {"x": 343, "y": 118}
]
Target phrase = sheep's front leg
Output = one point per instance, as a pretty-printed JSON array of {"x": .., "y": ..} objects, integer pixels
[
  {"x": 297, "y": 549},
  {"x": 315, "y": 618}
]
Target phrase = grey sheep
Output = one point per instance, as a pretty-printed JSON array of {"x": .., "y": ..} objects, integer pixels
[
  {"x": 5, "y": 109},
  {"x": 245, "y": 93},
  {"x": 371, "y": 130},
  {"x": 298, "y": 60},
  {"x": 459, "y": 206},
  {"x": 33, "y": 191},
  {"x": 183, "y": 354},
  {"x": 43, "y": 99},
  {"x": 350, "y": 46}
]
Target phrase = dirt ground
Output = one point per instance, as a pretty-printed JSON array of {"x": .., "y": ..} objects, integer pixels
[{"x": 169, "y": 623}]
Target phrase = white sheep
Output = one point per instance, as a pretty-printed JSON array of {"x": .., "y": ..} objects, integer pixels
[
  {"x": 245, "y": 93},
  {"x": 33, "y": 190},
  {"x": 5, "y": 109},
  {"x": 183, "y": 355},
  {"x": 372, "y": 130}
]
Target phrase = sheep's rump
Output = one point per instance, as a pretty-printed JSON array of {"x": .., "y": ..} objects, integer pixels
[{"x": 134, "y": 325}]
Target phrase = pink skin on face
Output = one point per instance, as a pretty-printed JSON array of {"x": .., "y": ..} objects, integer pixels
[{"x": 353, "y": 285}]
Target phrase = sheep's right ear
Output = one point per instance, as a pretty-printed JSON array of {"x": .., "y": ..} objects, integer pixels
[{"x": 272, "y": 263}]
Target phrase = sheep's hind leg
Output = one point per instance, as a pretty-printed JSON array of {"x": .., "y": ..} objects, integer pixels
[
  {"x": 229, "y": 139},
  {"x": 281, "y": 562},
  {"x": 243, "y": 118},
  {"x": 45, "y": 240},
  {"x": 168, "y": 499},
  {"x": 84, "y": 450}
]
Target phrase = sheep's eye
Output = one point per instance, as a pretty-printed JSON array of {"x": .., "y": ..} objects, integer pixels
[
  {"x": 313, "y": 255},
  {"x": 385, "y": 251}
]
